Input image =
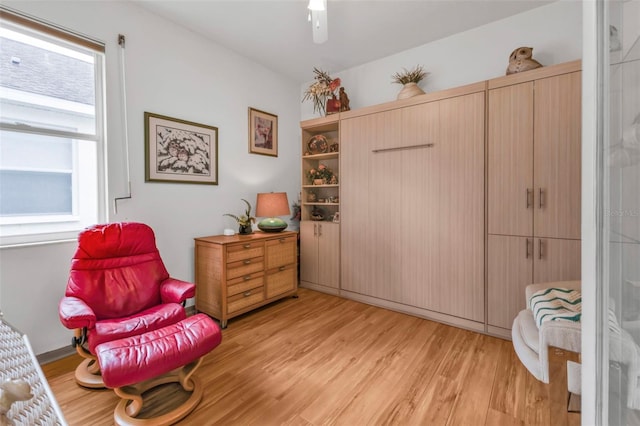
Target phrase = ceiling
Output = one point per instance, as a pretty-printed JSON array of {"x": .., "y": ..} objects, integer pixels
[{"x": 276, "y": 33}]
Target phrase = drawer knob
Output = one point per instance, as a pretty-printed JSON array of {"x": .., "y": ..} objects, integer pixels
[
  {"x": 247, "y": 246},
  {"x": 282, "y": 240},
  {"x": 247, "y": 277},
  {"x": 248, "y": 261},
  {"x": 282, "y": 268},
  {"x": 247, "y": 293}
]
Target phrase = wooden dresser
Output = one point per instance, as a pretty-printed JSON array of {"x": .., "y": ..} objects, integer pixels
[{"x": 236, "y": 274}]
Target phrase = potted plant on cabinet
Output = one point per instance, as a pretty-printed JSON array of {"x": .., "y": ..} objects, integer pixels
[
  {"x": 409, "y": 80},
  {"x": 244, "y": 221}
]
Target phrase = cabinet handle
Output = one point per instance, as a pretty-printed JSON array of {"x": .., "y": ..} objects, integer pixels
[
  {"x": 528, "y": 194},
  {"x": 527, "y": 248},
  {"x": 315, "y": 230},
  {"x": 540, "y": 248},
  {"x": 246, "y": 277},
  {"x": 247, "y": 246},
  {"x": 247, "y": 293},
  {"x": 282, "y": 240},
  {"x": 282, "y": 268},
  {"x": 319, "y": 230},
  {"x": 248, "y": 261},
  {"x": 401, "y": 148},
  {"x": 540, "y": 198}
]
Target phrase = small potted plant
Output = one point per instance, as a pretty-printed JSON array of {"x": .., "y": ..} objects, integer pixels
[
  {"x": 409, "y": 80},
  {"x": 244, "y": 221}
]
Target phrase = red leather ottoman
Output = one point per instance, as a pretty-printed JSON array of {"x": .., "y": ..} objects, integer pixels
[{"x": 136, "y": 364}]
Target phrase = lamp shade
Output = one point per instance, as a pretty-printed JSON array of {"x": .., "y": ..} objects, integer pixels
[{"x": 269, "y": 205}]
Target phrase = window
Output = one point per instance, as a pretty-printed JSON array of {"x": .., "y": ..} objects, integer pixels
[{"x": 51, "y": 132}]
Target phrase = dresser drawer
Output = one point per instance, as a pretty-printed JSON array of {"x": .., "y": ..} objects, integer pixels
[
  {"x": 281, "y": 280},
  {"x": 245, "y": 299},
  {"x": 244, "y": 267},
  {"x": 244, "y": 283},
  {"x": 282, "y": 251},
  {"x": 236, "y": 252}
]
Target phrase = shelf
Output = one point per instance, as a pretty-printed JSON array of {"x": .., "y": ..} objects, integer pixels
[
  {"x": 321, "y": 186},
  {"x": 323, "y": 156},
  {"x": 320, "y": 204}
]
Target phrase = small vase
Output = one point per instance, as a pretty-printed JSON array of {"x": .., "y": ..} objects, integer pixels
[
  {"x": 245, "y": 229},
  {"x": 410, "y": 90},
  {"x": 333, "y": 105},
  {"x": 318, "y": 181}
]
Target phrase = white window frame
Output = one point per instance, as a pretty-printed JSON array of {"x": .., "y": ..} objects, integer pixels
[{"x": 42, "y": 229}]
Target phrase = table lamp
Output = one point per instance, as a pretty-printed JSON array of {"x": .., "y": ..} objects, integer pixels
[{"x": 269, "y": 205}]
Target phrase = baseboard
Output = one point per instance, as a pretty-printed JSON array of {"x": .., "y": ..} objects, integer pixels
[
  {"x": 56, "y": 354},
  {"x": 503, "y": 333},
  {"x": 320, "y": 288},
  {"x": 418, "y": 312}
]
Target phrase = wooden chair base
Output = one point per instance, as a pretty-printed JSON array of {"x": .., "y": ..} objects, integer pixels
[
  {"x": 131, "y": 405},
  {"x": 88, "y": 376}
]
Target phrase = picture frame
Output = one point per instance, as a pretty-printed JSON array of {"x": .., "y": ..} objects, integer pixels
[
  {"x": 336, "y": 217},
  {"x": 179, "y": 151},
  {"x": 263, "y": 133}
]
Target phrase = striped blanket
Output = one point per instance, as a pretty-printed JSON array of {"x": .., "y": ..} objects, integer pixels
[{"x": 553, "y": 304}]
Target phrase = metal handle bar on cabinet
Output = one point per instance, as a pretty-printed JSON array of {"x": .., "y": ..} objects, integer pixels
[
  {"x": 401, "y": 148},
  {"x": 539, "y": 248},
  {"x": 528, "y": 193}
]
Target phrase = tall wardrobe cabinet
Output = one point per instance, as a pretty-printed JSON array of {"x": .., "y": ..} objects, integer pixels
[
  {"x": 533, "y": 185},
  {"x": 412, "y": 205}
]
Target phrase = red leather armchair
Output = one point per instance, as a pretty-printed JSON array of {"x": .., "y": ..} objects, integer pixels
[{"x": 118, "y": 287}]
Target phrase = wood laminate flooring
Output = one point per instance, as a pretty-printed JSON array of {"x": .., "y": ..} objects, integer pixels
[{"x": 321, "y": 359}]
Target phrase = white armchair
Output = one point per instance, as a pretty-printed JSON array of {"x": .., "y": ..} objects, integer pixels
[{"x": 532, "y": 344}]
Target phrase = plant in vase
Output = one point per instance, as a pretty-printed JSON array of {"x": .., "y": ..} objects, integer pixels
[
  {"x": 322, "y": 88},
  {"x": 409, "y": 80},
  {"x": 322, "y": 176},
  {"x": 244, "y": 221}
]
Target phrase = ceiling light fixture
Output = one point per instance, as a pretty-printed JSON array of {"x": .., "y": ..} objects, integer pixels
[{"x": 318, "y": 18}]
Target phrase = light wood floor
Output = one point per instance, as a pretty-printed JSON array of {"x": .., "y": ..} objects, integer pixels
[{"x": 321, "y": 359}]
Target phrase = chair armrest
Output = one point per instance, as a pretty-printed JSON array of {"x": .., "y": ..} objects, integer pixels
[
  {"x": 561, "y": 334},
  {"x": 75, "y": 313},
  {"x": 176, "y": 291}
]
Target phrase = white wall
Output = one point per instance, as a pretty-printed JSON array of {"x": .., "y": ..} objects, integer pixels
[
  {"x": 554, "y": 31},
  {"x": 174, "y": 72}
]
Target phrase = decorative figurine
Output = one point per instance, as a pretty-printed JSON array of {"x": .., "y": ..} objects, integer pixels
[
  {"x": 521, "y": 60},
  {"x": 344, "y": 100},
  {"x": 11, "y": 391}
]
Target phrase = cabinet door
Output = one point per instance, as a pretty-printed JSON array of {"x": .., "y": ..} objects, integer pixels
[
  {"x": 309, "y": 251},
  {"x": 361, "y": 197},
  {"x": 328, "y": 254},
  {"x": 556, "y": 260},
  {"x": 557, "y": 159},
  {"x": 509, "y": 271},
  {"x": 280, "y": 281},
  {"x": 510, "y": 160},
  {"x": 459, "y": 290},
  {"x": 281, "y": 252}
]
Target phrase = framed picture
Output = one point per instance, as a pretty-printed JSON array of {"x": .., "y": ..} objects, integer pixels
[
  {"x": 336, "y": 217},
  {"x": 179, "y": 151},
  {"x": 263, "y": 133}
]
